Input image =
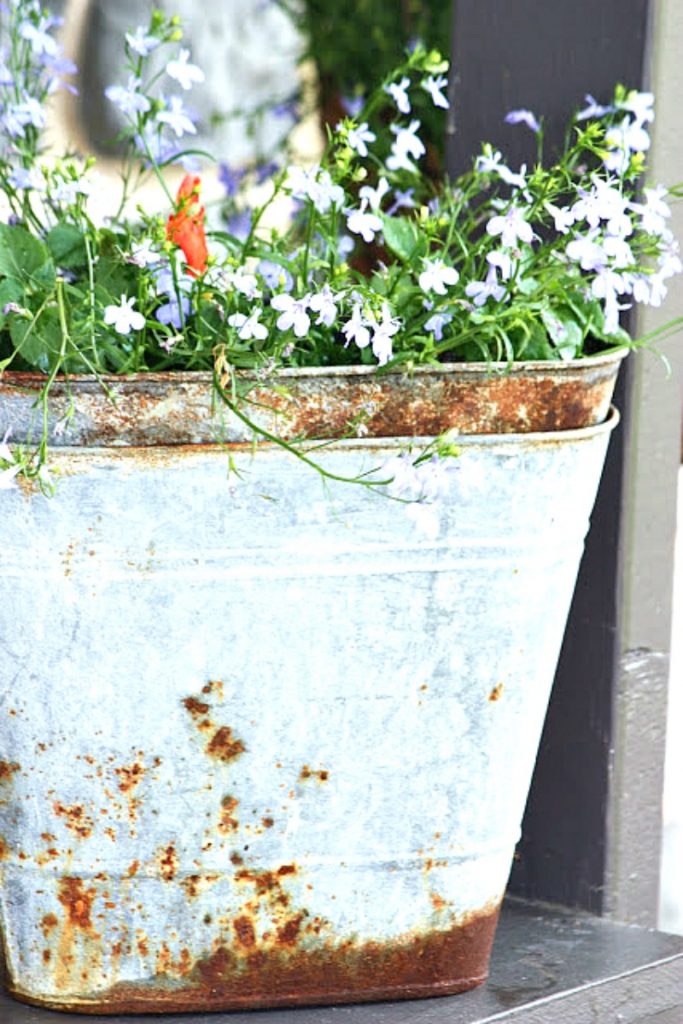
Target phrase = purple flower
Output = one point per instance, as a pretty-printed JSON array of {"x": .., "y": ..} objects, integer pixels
[
  {"x": 275, "y": 276},
  {"x": 286, "y": 108},
  {"x": 403, "y": 200},
  {"x": 436, "y": 324},
  {"x": 593, "y": 109},
  {"x": 353, "y": 105},
  {"x": 231, "y": 178},
  {"x": 18, "y": 116},
  {"x": 265, "y": 171},
  {"x": 174, "y": 312},
  {"x": 523, "y": 117},
  {"x": 239, "y": 225}
]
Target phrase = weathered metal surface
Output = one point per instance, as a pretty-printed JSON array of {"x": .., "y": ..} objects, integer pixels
[
  {"x": 261, "y": 742},
  {"x": 180, "y": 408}
]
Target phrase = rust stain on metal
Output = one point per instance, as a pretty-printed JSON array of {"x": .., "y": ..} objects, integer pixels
[
  {"x": 48, "y": 924},
  {"x": 130, "y": 776},
  {"x": 241, "y": 974},
  {"x": 195, "y": 884},
  {"x": 496, "y": 693},
  {"x": 8, "y": 769},
  {"x": 168, "y": 862},
  {"x": 168, "y": 409},
  {"x": 224, "y": 746},
  {"x": 438, "y": 902},
  {"x": 76, "y": 819},
  {"x": 167, "y": 964},
  {"x": 77, "y": 902},
  {"x": 321, "y": 774},
  {"x": 228, "y": 822},
  {"x": 267, "y": 881},
  {"x": 197, "y": 708},
  {"x": 244, "y": 931},
  {"x": 214, "y": 686}
]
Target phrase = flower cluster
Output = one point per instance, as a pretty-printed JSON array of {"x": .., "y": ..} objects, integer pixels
[{"x": 376, "y": 264}]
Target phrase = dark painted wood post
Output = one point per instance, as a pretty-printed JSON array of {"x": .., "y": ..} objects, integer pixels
[{"x": 546, "y": 56}]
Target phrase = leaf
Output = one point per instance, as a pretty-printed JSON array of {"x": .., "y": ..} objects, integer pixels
[
  {"x": 67, "y": 245},
  {"x": 530, "y": 341},
  {"x": 39, "y": 340},
  {"x": 564, "y": 331},
  {"x": 10, "y": 291},
  {"x": 402, "y": 237},
  {"x": 21, "y": 253}
]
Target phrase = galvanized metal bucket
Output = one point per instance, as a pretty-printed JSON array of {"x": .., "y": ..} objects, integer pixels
[{"x": 263, "y": 742}]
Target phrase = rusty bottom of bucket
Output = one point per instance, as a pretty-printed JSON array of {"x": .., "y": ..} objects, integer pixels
[{"x": 438, "y": 963}]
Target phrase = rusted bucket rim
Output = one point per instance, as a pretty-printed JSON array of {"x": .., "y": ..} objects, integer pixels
[
  {"x": 552, "y": 438},
  {"x": 536, "y": 367}
]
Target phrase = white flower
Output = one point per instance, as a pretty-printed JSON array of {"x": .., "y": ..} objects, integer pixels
[
  {"x": 404, "y": 480},
  {"x": 142, "y": 254},
  {"x": 628, "y": 136},
  {"x": 434, "y": 87},
  {"x": 382, "y": 345},
  {"x": 375, "y": 195},
  {"x": 185, "y": 74},
  {"x": 640, "y": 104},
  {"x": 293, "y": 315},
  {"x": 399, "y": 94},
  {"x": 480, "y": 291},
  {"x": 7, "y": 477},
  {"x": 654, "y": 213},
  {"x": 141, "y": 43},
  {"x": 669, "y": 259},
  {"x": 316, "y": 185},
  {"x": 584, "y": 250},
  {"x": 406, "y": 145},
  {"x": 511, "y": 226},
  {"x": 603, "y": 202},
  {"x": 358, "y": 138},
  {"x": 502, "y": 261},
  {"x": 176, "y": 117},
  {"x": 436, "y": 277},
  {"x": 490, "y": 162},
  {"x": 128, "y": 99},
  {"x": 619, "y": 251},
  {"x": 357, "y": 329},
  {"x": 249, "y": 326},
  {"x": 365, "y": 224},
  {"x": 123, "y": 317},
  {"x": 246, "y": 284},
  {"x": 324, "y": 304},
  {"x": 562, "y": 215}
]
